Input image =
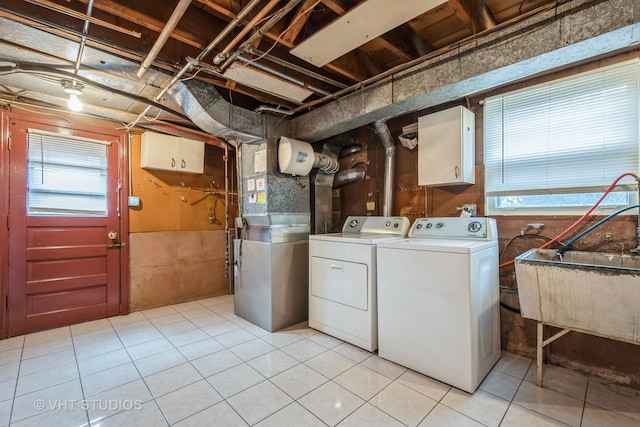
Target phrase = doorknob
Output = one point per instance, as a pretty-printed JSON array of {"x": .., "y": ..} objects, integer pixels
[{"x": 112, "y": 235}]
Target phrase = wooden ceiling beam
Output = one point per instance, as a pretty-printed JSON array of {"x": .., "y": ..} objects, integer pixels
[
  {"x": 299, "y": 20},
  {"x": 132, "y": 15},
  {"x": 475, "y": 14},
  {"x": 344, "y": 67},
  {"x": 334, "y": 5}
]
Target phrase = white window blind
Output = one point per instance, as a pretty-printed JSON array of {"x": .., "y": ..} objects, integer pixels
[
  {"x": 66, "y": 175},
  {"x": 572, "y": 135}
]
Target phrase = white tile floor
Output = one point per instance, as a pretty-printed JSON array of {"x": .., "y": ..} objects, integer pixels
[{"x": 197, "y": 364}]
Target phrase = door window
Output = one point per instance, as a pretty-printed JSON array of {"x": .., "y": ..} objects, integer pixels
[{"x": 66, "y": 175}]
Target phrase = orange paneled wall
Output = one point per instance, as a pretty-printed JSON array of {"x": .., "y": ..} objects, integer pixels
[{"x": 172, "y": 201}]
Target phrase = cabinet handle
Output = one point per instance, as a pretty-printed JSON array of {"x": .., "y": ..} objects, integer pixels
[
  {"x": 457, "y": 172},
  {"x": 173, "y": 162},
  {"x": 183, "y": 164}
]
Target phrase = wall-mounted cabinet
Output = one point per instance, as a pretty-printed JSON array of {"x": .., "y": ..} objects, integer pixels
[
  {"x": 171, "y": 153},
  {"x": 446, "y": 147}
]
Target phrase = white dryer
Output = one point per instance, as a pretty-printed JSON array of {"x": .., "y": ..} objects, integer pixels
[
  {"x": 438, "y": 300},
  {"x": 342, "y": 278}
]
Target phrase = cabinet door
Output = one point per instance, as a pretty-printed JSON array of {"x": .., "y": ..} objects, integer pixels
[
  {"x": 446, "y": 147},
  {"x": 190, "y": 156},
  {"x": 158, "y": 151}
]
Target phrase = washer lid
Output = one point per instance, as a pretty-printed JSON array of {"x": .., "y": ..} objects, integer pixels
[
  {"x": 439, "y": 245},
  {"x": 359, "y": 238}
]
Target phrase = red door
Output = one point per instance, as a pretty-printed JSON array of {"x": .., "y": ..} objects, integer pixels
[{"x": 65, "y": 224}]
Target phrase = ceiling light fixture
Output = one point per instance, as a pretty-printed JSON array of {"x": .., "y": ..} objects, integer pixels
[{"x": 74, "y": 89}]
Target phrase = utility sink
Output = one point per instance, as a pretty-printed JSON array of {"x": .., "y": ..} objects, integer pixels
[{"x": 593, "y": 292}]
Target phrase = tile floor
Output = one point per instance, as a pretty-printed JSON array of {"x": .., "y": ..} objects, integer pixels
[{"x": 197, "y": 364}]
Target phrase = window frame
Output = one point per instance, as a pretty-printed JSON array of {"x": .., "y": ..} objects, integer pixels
[{"x": 492, "y": 195}]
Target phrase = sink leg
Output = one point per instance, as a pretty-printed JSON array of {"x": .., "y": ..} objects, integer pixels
[{"x": 539, "y": 347}]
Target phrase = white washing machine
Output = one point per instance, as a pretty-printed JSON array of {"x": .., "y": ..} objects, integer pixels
[
  {"x": 342, "y": 278},
  {"x": 438, "y": 300}
]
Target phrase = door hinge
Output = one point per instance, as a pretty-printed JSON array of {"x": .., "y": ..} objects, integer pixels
[
  {"x": 9, "y": 143},
  {"x": 8, "y": 221}
]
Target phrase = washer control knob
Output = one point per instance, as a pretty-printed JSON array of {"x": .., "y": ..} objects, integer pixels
[
  {"x": 353, "y": 223},
  {"x": 440, "y": 225},
  {"x": 429, "y": 225},
  {"x": 387, "y": 224},
  {"x": 474, "y": 226},
  {"x": 419, "y": 226},
  {"x": 396, "y": 225}
]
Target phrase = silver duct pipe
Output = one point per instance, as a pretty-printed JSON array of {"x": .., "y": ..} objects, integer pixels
[
  {"x": 348, "y": 176},
  {"x": 188, "y": 66},
  {"x": 177, "y": 14},
  {"x": 389, "y": 165},
  {"x": 325, "y": 163}
]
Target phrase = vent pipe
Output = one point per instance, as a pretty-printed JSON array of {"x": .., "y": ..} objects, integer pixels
[
  {"x": 348, "y": 176},
  {"x": 389, "y": 165}
]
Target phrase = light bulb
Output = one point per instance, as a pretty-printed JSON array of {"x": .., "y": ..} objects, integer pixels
[{"x": 74, "y": 103}]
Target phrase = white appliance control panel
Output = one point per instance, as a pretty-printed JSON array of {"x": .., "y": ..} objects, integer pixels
[
  {"x": 476, "y": 228},
  {"x": 396, "y": 225}
]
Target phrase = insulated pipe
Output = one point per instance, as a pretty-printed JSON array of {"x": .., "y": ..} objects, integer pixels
[
  {"x": 177, "y": 14},
  {"x": 389, "y": 165},
  {"x": 348, "y": 176}
]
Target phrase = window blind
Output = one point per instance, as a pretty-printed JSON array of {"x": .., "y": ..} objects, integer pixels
[
  {"x": 66, "y": 175},
  {"x": 572, "y": 135}
]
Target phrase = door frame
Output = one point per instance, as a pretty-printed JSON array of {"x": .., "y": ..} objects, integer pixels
[{"x": 123, "y": 178}]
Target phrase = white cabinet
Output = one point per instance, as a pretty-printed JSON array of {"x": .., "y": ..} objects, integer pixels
[
  {"x": 446, "y": 147},
  {"x": 171, "y": 153}
]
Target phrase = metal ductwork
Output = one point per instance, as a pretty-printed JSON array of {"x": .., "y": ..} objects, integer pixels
[
  {"x": 348, "y": 176},
  {"x": 389, "y": 165},
  {"x": 206, "y": 108}
]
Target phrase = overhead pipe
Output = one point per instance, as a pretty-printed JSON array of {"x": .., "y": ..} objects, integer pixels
[
  {"x": 258, "y": 34},
  {"x": 212, "y": 69},
  {"x": 224, "y": 53},
  {"x": 189, "y": 65},
  {"x": 75, "y": 14},
  {"x": 177, "y": 14},
  {"x": 83, "y": 39},
  {"x": 295, "y": 67},
  {"x": 389, "y": 165},
  {"x": 283, "y": 76}
]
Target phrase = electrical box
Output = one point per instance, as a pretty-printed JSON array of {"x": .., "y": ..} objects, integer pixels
[
  {"x": 446, "y": 147},
  {"x": 171, "y": 153}
]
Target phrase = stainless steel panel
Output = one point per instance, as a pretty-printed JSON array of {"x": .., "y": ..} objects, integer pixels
[{"x": 274, "y": 284}]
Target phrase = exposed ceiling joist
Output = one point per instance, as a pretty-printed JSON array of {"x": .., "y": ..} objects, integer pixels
[{"x": 475, "y": 14}]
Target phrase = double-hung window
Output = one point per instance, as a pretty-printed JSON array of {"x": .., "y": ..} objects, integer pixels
[{"x": 553, "y": 148}]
